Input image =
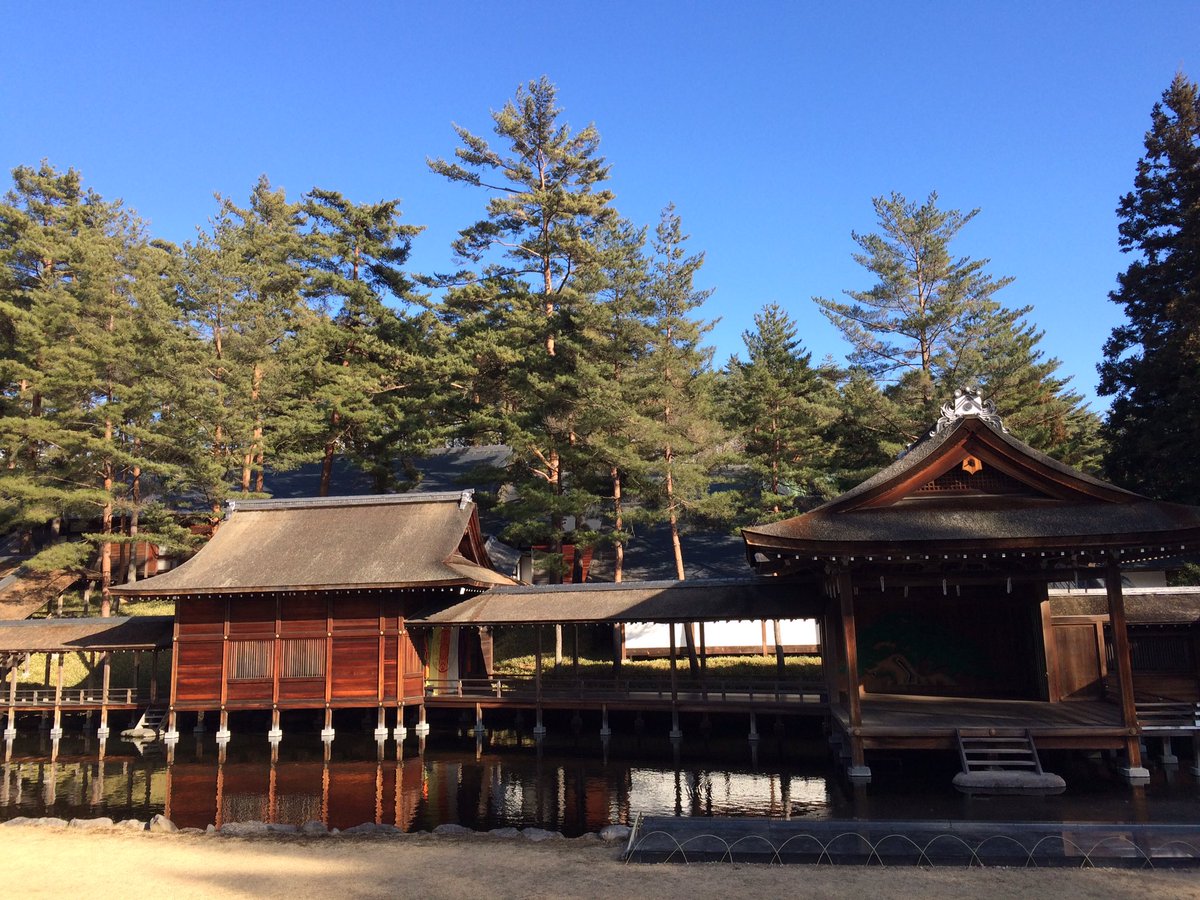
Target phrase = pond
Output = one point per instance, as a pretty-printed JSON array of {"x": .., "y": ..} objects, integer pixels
[{"x": 564, "y": 783}]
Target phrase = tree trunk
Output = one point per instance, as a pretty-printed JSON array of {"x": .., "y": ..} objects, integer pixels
[
  {"x": 106, "y": 518},
  {"x": 619, "y": 546},
  {"x": 779, "y": 661},
  {"x": 131, "y": 574}
]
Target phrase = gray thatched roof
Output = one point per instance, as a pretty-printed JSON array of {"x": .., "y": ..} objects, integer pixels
[
  {"x": 712, "y": 599},
  {"x": 114, "y": 633},
  {"x": 347, "y": 543}
]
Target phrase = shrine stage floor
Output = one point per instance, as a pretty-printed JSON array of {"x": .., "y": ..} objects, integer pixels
[{"x": 928, "y": 723}]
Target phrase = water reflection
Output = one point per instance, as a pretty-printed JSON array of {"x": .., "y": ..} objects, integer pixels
[{"x": 573, "y": 786}]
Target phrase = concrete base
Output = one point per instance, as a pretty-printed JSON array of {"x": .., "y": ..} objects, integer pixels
[
  {"x": 539, "y": 730},
  {"x": 102, "y": 732},
  {"x": 400, "y": 733},
  {"x": 199, "y": 729},
  {"x": 859, "y": 774},
  {"x": 1135, "y": 774},
  {"x": 1006, "y": 781},
  {"x": 223, "y": 736},
  {"x": 381, "y": 734},
  {"x": 422, "y": 729},
  {"x": 10, "y": 734},
  {"x": 1169, "y": 759},
  {"x": 1195, "y": 770},
  {"x": 675, "y": 734},
  {"x": 171, "y": 738},
  {"x": 55, "y": 733},
  {"x": 605, "y": 732},
  {"x": 327, "y": 734},
  {"x": 275, "y": 735}
]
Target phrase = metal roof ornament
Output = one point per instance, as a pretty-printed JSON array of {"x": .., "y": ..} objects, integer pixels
[{"x": 968, "y": 402}]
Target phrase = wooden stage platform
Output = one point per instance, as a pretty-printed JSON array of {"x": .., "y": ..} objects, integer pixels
[{"x": 895, "y": 721}]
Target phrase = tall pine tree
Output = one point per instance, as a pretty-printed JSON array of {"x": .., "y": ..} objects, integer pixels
[{"x": 1151, "y": 363}]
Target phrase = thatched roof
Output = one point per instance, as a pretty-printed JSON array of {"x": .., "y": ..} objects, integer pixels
[
  {"x": 712, "y": 599},
  {"x": 114, "y": 633},
  {"x": 335, "y": 543}
]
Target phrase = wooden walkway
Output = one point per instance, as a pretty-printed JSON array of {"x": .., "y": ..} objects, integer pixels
[{"x": 728, "y": 695}]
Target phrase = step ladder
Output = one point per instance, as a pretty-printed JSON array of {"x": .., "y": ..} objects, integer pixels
[
  {"x": 152, "y": 719},
  {"x": 997, "y": 749}
]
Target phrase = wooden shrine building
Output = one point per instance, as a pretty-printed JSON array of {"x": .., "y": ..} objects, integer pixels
[
  {"x": 936, "y": 572},
  {"x": 302, "y": 604}
]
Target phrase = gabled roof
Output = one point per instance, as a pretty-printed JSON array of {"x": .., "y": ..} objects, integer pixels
[
  {"x": 113, "y": 633},
  {"x": 709, "y": 599},
  {"x": 971, "y": 486},
  {"x": 336, "y": 543}
]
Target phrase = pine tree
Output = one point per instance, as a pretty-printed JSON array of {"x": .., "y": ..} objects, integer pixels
[
  {"x": 538, "y": 236},
  {"x": 781, "y": 408},
  {"x": 904, "y": 328},
  {"x": 1151, "y": 363},
  {"x": 686, "y": 435},
  {"x": 367, "y": 378},
  {"x": 82, "y": 302}
]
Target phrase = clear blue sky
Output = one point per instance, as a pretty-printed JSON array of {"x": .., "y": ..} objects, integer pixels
[{"x": 770, "y": 125}]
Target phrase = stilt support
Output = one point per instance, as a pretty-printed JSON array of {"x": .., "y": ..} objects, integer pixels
[
  {"x": 327, "y": 732},
  {"x": 676, "y": 732},
  {"x": 399, "y": 733},
  {"x": 605, "y": 731},
  {"x": 539, "y": 730},
  {"x": 422, "y": 728},
  {"x": 381, "y": 729},
  {"x": 753, "y": 726}
]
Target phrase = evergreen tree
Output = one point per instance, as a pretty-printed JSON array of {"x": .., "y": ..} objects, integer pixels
[
  {"x": 613, "y": 379},
  {"x": 1151, "y": 363},
  {"x": 781, "y": 408},
  {"x": 537, "y": 238},
  {"x": 909, "y": 328},
  {"x": 81, "y": 301},
  {"x": 367, "y": 361},
  {"x": 685, "y": 433},
  {"x": 246, "y": 298}
]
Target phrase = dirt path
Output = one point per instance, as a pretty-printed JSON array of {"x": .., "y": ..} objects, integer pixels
[{"x": 61, "y": 863}]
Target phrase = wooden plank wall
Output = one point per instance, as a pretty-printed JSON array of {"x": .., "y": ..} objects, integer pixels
[{"x": 370, "y": 657}]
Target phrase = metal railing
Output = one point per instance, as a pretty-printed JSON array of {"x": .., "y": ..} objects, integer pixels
[
  {"x": 44, "y": 696},
  {"x": 711, "y": 691}
]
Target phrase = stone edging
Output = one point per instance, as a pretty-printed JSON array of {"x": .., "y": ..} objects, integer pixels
[{"x": 162, "y": 825}]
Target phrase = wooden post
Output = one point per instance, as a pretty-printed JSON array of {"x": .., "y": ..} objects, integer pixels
[
  {"x": 703, "y": 650},
  {"x": 618, "y": 652},
  {"x": 56, "y": 731},
  {"x": 105, "y": 682},
  {"x": 1120, "y": 633},
  {"x": 10, "y": 725},
  {"x": 153, "y": 676},
  {"x": 538, "y": 729},
  {"x": 674, "y": 686},
  {"x": 845, "y": 584},
  {"x": 137, "y": 673},
  {"x": 780, "y": 665}
]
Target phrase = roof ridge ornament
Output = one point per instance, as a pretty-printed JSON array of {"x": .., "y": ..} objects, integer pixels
[{"x": 968, "y": 403}]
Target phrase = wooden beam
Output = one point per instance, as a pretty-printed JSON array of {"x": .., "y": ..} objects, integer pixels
[
  {"x": 845, "y": 583},
  {"x": 674, "y": 686},
  {"x": 1120, "y": 632}
]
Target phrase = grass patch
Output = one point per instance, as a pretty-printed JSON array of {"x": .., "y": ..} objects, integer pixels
[
  {"x": 77, "y": 671},
  {"x": 73, "y": 608}
]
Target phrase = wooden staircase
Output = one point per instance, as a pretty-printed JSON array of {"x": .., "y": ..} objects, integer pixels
[
  {"x": 1002, "y": 761},
  {"x": 150, "y": 722},
  {"x": 997, "y": 749}
]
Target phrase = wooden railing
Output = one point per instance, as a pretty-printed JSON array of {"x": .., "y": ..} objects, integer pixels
[
  {"x": 1177, "y": 716},
  {"x": 44, "y": 696},
  {"x": 523, "y": 688}
]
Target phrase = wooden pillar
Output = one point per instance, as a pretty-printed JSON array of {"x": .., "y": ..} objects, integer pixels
[
  {"x": 105, "y": 683},
  {"x": 674, "y": 686},
  {"x": 10, "y": 725},
  {"x": 780, "y": 664},
  {"x": 1120, "y": 633},
  {"x": 845, "y": 585},
  {"x": 56, "y": 731},
  {"x": 618, "y": 651},
  {"x": 703, "y": 649},
  {"x": 538, "y": 729},
  {"x": 137, "y": 674},
  {"x": 153, "y": 675}
]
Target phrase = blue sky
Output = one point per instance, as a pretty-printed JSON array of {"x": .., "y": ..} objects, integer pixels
[{"x": 769, "y": 125}]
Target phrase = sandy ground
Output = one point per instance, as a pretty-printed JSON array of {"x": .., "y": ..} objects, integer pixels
[{"x": 60, "y": 863}]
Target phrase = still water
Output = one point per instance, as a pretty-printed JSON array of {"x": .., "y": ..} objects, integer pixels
[{"x": 573, "y": 785}]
